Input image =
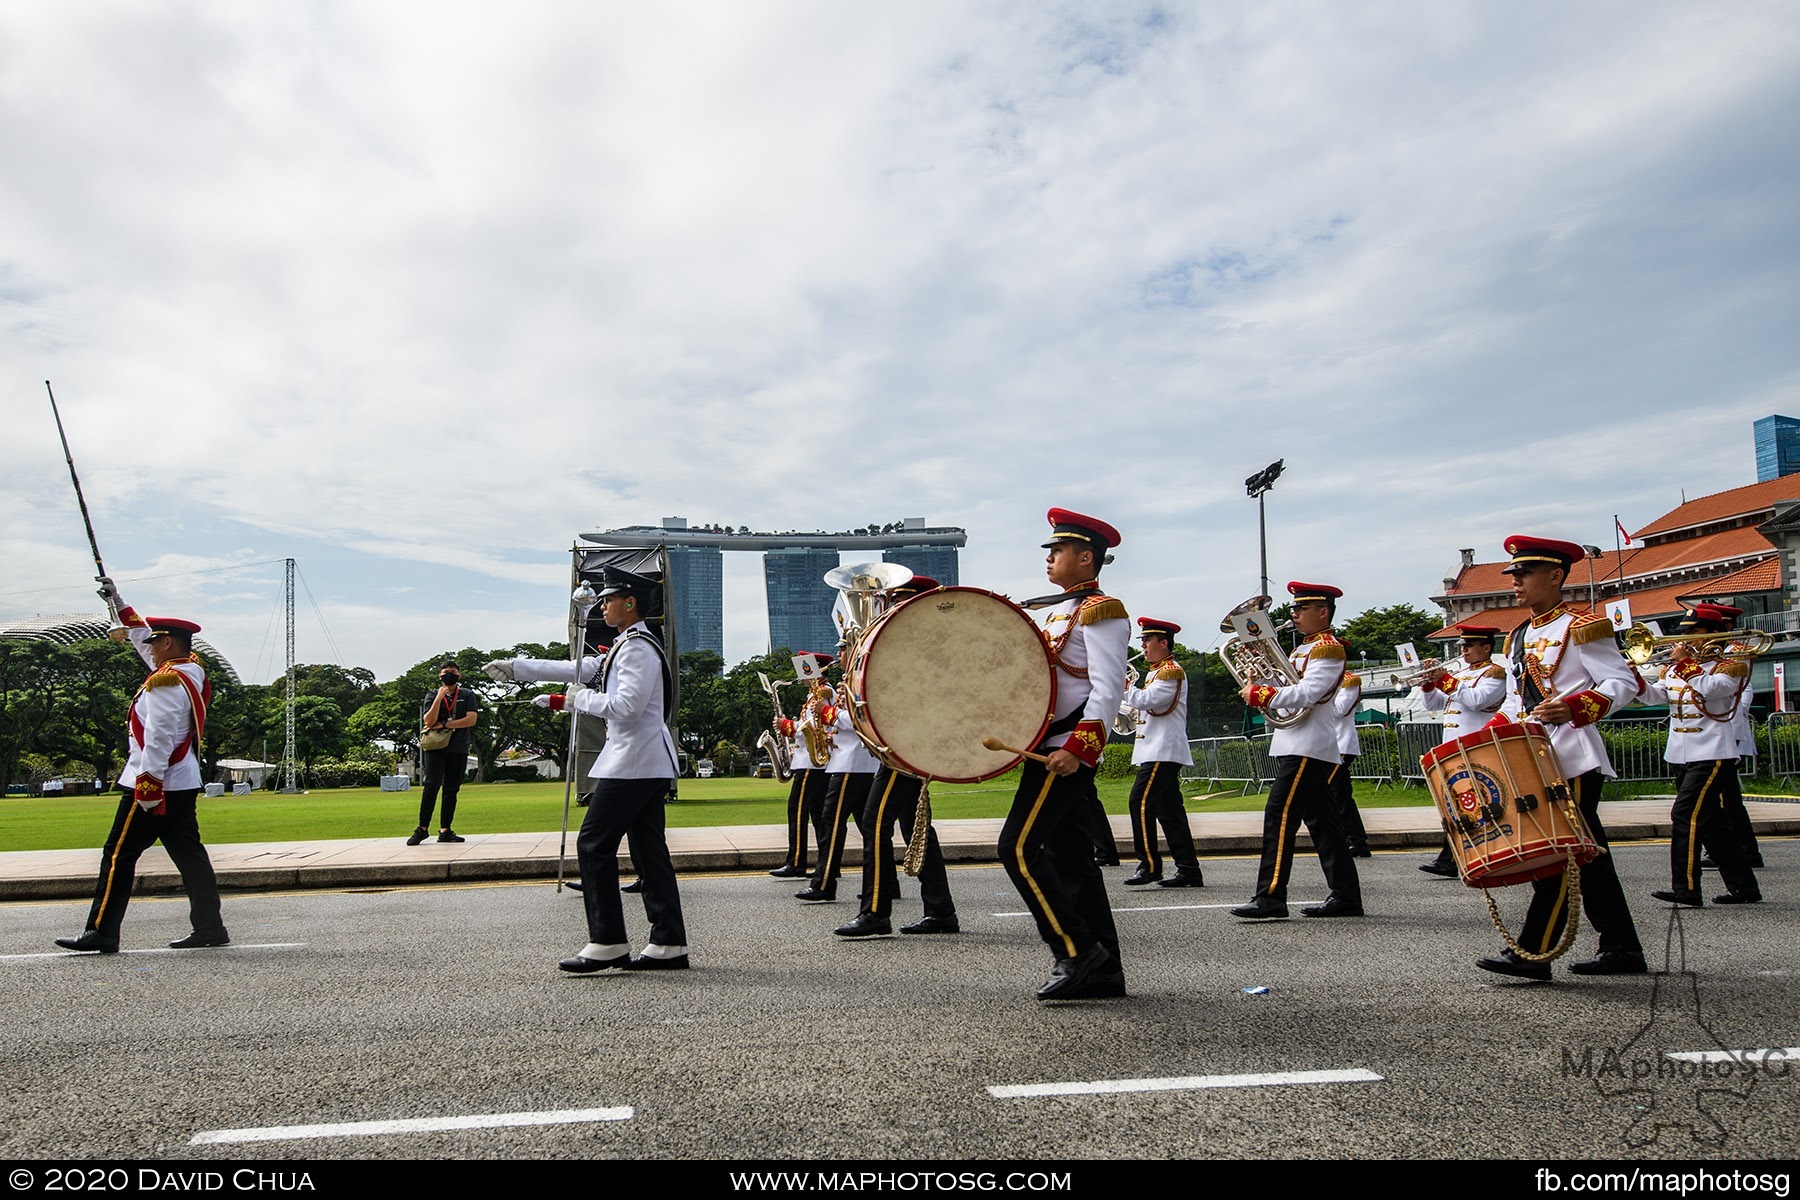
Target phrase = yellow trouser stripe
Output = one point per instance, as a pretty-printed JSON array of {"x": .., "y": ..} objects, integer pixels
[
  {"x": 112, "y": 866},
  {"x": 1551, "y": 931},
  {"x": 1037, "y": 893},
  {"x": 1691, "y": 876},
  {"x": 1283, "y": 843},
  {"x": 1149, "y": 834},
  {"x": 878, "y": 842}
]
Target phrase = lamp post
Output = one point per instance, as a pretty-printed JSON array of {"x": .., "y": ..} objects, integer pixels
[
  {"x": 1592, "y": 553},
  {"x": 1258, "y": 486}
]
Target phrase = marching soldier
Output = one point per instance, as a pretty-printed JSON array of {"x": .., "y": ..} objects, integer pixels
[
  {"x": 894, "y": 801},
  {"x": 1306, "y": 753},
  {"x": 1343, "y": 795},
  {"x": 807, "y": 789},
  {"x": 849, "y": 773},
  {"x": 1468, "y": 698},
  {"x": 1737, "y": 819},
  {"x": 160, "y": 785},
  {"x": 1046, "y": 843},
  {"x": 1159, "y": 754},
  {"x": 1703, "y": 696},
  {"x": 1568, "y": 673}
]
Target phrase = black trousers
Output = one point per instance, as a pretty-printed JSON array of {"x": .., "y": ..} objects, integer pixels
[
  {"x": 1702, "y": 815},
  {"x": 1602, "y": 899},
  {"x": 1156, "y": 800},
  {"x": 893, "y": 801},
  {"x": 803, "y": 795},
  {"x": 620, "y": 810},
  {"x": 1047, "y": 848},
  {"x": 1737, "y": 825},
  {"x": 1344, "y": 798},
  {"x": 1302, "y": 792},
  {"x": 440, "y": 768},
  {"x": 133, "y": 832},
  {"x": 840, "y": 802}
]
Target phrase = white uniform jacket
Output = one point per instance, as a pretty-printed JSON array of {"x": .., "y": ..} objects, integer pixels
[
  {"x": 162, "y": 742},
  {"x": 801, "y": 759},
  {"x": 1319, "y": 662},
  {"x": 1343, "y": 707},
  {"x": 848, "y": 754},
  {"x": 1574, "y": 659},
  {"x": 629, "y": 695},
  {"x": 1740, "y": 724},
  {"x": 1164, "y": 702},
  {"x": 557, "y": 670},
  {"x": 1694, "y": 736},
  {"x": 1089, "y": 639},
  {"x": 1470, "y": 701}
]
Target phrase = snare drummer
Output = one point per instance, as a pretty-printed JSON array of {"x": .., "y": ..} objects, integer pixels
[
  {"x": 1046, "y": 844},
  {"x": 1703, "y": 696},
  {"x": 1468, "y": 698},
  {"x": 1307, "y": 752},
  {"x": 1159, "y": 754},
  {"x": 1568, "y": 673}
]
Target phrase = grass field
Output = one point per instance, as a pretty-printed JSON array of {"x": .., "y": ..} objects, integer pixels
[{"x": 37, "y": 823}]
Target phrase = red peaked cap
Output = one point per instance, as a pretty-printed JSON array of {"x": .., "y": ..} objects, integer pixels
[
  {"x": 1483, "y": 633},
  {"x": 1718, "y": 616},
  {"x": 171, "y": 625},
  {"x": 1528, "y": 550},
  {"x": 1314, "y": 591},
  {"x": 1151, "y": 625},
  {"x": 1066, "y": 526}
]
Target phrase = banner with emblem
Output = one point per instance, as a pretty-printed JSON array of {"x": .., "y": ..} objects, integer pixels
[
  {"x": 1409, "y": 655},
  {"x": 1254, "y": 625},
  {"x": 1619, "y": 613}
]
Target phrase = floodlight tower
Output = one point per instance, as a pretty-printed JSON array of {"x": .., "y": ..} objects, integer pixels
[{"x": 1258, "y": 486}]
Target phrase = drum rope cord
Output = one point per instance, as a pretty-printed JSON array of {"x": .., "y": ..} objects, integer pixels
[
  {"x": 915, "y": 841},
  {"x": 1572, "y": 873}
]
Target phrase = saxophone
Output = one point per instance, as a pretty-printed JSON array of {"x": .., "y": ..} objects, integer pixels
[
  {"x": 773, "y": 742},
  {"x": 818, "y": 738}
]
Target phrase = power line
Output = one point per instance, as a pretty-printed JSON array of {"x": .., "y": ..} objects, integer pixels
[{"x": 69, "y": 587}]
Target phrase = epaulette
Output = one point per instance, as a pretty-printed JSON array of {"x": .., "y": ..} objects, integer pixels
[
  {"x": 1326, "y": 648},
  {"x": 1350, "y": 679},
  {"x": 1101, "y": 608},
  {"x": 164, "y": 676},
  {"x": 1493, "y": 672},
  {"x": 1734, "y": 668},
  {"x": 1168, "y": 669},
  {"x": 1589, "y": 627}
]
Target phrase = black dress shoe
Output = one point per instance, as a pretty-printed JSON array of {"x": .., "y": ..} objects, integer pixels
[
  {"x": 577, "y": 965},
  {"x": 1439, "y": 867},
  {"x": 1106, "y": 860},
  {"x": 1679, "y": 896},
  {"x": 1333, "y": 907},
  {"x": 1360, "y": 850},
  {"x": 1612, "y": 962},
  {"x": 813, "y": 895},
  {"x": 197, "y": 940},
  {"x": 1507, "y": 962},
  {"x": 632, "y": 888},
  {"x": 788, "y": 871},
  {"x": 865, "y": 925},
  {"x": 1260, "y": 909},
  {"x": 1739, "y": 898},
  {"x": 1069, "y": 974},
  {"x": 1184, "y": 877},
  {"x": 574, "y": 885},
  {"x": 1141, "y": 877},
  {"x": 1707, "y": 863},
  {"x": 1101, "y": 985},
  {"x": 947, "y": 924},
  {"x": 91, "y": 940},
  {"x": 644, "y": 963}
]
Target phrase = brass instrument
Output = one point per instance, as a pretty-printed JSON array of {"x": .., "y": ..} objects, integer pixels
[
  {"x": 867, "y": 593},
  {"x": 1129, "y": 720},
  {"x": 1431, "y": 668},
  {"x": 818, "y": 737},
  {"x": 1645, "y": 648},
  {"x": 1261, "y": 660},
  {"x": 773, "y": 742}
]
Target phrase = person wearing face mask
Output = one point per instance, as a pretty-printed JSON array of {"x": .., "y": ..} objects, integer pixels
[{"x": 453, "y": 708}]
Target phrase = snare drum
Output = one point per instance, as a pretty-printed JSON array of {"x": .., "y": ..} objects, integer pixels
[
  {"x": 939, "y": 672},
  {"x": 1505, "y": 806}
]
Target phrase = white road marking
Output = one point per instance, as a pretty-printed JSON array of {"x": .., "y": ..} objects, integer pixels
[
  {"x": 1173, "y": 907},
  {"x": 1779, "y": 1054},
  {"x": 285, "y": 1133},
  {"x": 159, "y": 950},
  {"x": 1186, "y": 1083}
]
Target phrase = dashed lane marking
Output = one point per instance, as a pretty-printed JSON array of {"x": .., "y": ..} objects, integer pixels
[
  {"x": 209, "y": 950},
  {"x": 1172, "y": 907},
  {"x": 1185, "y": 1083},
  {"x": 289, "y": 1133}
]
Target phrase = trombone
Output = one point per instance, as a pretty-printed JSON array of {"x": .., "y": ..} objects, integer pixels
[{"x": 1645, "y": 648}]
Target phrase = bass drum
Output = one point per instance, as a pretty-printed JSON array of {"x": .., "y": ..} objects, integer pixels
[{"x": 939, "y": 672}]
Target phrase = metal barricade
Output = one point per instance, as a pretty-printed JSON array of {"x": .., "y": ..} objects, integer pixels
[
  {"x": 1378, "y": 757},
  {"x": 1636, "y": 745},
  {"x": 1414, "y": 740},
  {"x": 1781, "y": 743},
  {"x": 1227, "y": 760}
]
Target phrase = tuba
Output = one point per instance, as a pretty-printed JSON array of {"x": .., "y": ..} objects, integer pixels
[
  {"x": 1261, "y": 660},
  {"x": 866, "y": 594}
]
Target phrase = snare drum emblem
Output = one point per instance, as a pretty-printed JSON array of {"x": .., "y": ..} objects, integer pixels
[
  {"x": 946, "y": 606},
  {"x": 1474, "y": 790}
]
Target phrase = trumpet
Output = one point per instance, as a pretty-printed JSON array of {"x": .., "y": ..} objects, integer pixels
[
  {"x": 1645, "y": 648},
  {"x": 1260, "y": 660},
  {"x": 1431, "y": 668}
]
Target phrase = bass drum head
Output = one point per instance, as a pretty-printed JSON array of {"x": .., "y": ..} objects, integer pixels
[{"x": 945, "y": 669}]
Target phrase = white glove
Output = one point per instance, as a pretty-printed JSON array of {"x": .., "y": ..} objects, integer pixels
[
  {"x": 500, "y": 670},
  {"x": 109, "y": 592},
  {"x": 543, "y": 700}
]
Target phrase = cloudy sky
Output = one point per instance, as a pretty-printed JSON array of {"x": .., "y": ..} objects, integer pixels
[{"x": 413, "y": 293}]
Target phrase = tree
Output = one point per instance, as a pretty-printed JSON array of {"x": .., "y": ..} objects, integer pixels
[
  {"x": 351, "y": 687},
  {"x": 27, "y": 700},
  {"x": 1377, "y": 631},
  {"x": 320, "y": 730}
]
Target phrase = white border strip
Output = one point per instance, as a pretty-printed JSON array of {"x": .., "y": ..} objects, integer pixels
[
  {"x": 1187, "y": 1083},
  {"x": 210, "y": 950},
  {"x": 284, "y": 1133},
  {"x": 1780, "y": 1054},
  {"x": 1119, "y": 908}
]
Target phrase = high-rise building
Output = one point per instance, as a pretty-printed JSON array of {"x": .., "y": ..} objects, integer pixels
[
  {"x": 698, "y": 575},
  {"x": 1777, "y": 448},
  {"x": 799, "y": 599},
  {"x": 939, "y": 562}
]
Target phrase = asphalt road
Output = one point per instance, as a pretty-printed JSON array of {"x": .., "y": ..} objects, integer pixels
[{"x": 787, "y": 1043}]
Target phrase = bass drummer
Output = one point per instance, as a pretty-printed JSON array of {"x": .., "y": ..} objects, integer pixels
[
  {"x": 1568, "y": 673},
  {"x": 1468, "y": 697}
]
